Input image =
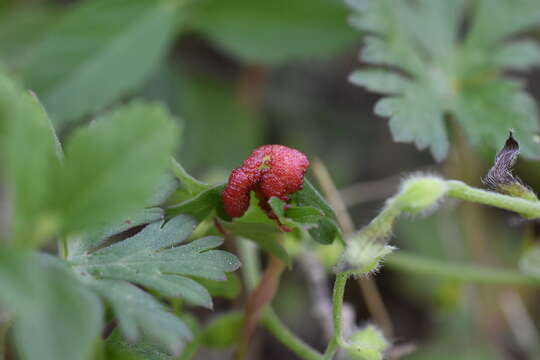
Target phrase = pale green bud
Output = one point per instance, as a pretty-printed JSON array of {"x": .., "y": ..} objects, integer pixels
[
  {"x": 365, "y": 254},
  {"x": 367, "y": 344},
  {"x": 420, "y": 193}
]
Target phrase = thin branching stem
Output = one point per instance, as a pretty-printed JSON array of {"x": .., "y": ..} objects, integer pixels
[
  {"x": 460, "y": 190},
  {"x": 337, "y": 316}
]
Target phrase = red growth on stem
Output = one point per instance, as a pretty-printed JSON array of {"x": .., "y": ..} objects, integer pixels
[{"x": 270, "y": 170}]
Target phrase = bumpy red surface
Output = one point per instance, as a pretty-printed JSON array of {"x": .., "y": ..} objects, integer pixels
[{"x": 270, "y": 170}]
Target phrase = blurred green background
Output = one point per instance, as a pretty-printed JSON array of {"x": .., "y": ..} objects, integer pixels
[{"x": 242, "y": 73}]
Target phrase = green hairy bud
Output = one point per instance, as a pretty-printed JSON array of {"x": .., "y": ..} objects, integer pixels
[
  {"x": 420, "y": 193},
  {"x": 367, "y": 344}
]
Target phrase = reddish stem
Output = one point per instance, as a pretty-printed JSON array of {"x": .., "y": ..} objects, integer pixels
[{"x": 261, "y": 296}]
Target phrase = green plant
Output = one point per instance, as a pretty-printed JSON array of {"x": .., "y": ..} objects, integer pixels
[
  {"x": 109, "y": 242},
  {"x": 429, "y": 72}
]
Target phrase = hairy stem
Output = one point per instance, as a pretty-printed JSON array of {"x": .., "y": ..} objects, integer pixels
[
  {"x": 337, "y": 315},
  {"x": 460, "y": 190},
  {"x": 368, "y": 286}
]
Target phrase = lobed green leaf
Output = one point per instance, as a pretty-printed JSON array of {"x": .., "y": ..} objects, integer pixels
[
  {"x": 55, "y": 316},
  {"x": 97, "y": 53},
  {"x": 434, "y": 73},
  {"x": 31, "y": 158},
  {"x": 113, "y": 166}
]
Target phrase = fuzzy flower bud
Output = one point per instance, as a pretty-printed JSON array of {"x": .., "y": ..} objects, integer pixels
[
  {"x": 420, "y": 193},
  {"x": 367, "y": 344}
]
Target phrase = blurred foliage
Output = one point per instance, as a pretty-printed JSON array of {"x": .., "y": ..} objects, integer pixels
[
  {"x": 274, "y": 32},
  {"x": 235, "y": 74},
  {"x": 441, "y": 73}
]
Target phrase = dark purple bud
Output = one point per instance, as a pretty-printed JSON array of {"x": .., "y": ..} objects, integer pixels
[{"x": 501, "y": 177}]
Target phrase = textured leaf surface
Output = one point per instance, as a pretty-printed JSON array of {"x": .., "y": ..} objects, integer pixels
[
  {"x": 272, "y": 32},
  {"x": 266, "y": 236},
  {"x": 89, "y": 240},
  {"x": 321, "y": 228},
  {"x": 139, "y": 313},
  {"x": 228, "y": 289},
  {"x": 30, "y": 157},
  {"x": 97, "y": 53},
  {"x": 310, "y": 211},
  {"x": 151, "y": 259},
  {"x": 56, "y": 318},
  {"x": 119, "y": 349},
  {"x": 445, "y": 75},
  {"x": 201, "y": 205},
  {"x": 113, "y": 166}
]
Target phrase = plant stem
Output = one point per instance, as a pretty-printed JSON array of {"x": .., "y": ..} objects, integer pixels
[
  {"x": 5, "y": 324},
  {"x": 368, "y": 286},
  {"x": 403, "y": 261},
  {"x": 460, "y": 190},
  {"x": 62, "y": 247},
  {"x": 251, "y": 272},
  {"x": 276, "y": 327},
  {"x": 337, "y": 314},
  {"x": 251, "y": 269},
  {"x": 257, "y": 301}
]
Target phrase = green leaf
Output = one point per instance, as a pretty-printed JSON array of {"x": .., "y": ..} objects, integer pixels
[
  {"x": 379, "y": 81},
  {"x": 416, "y": 116},
  {"x": 211, "y": 128},
  {"x": 518, "y": 55},
  {"x": 311, "y": 211},
  {"x": 30, "y": 156},
  {"x": 433, "y": 72},
  {"x": 274, "y": 32},
  {"x": 266, "y": 236},
  {"x": 113, "y": 166},
  {"x": 167, "y": 186},
  {"x": 56, "y": 318},
  {"x": 201, "y": 205},
  {"x": 321, "y": 228},
  {"x": 224, "y": 331},
  {"x": 139, "y": 314},
  {"x": 506, "y": 106},
  {"x": 310, "y": 197},
  {"x": 151, "y": 259},
  {"x": 496, "y": 20},
  {"x": 98, "y": 53},
  {"x": 119, "y": 349},
  {"x": 228, "y": 289},
  {"x": 83, "y": 243},
  {"x": 191, "y": 185},
  {"x": 21, "y": 27}
]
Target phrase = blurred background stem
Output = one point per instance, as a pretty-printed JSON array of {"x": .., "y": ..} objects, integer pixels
[{"x": 369, "y": 288}]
